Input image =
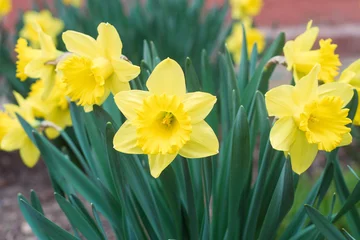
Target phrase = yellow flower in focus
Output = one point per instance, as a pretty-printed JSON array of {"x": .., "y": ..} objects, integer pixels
[
  {"x": 25, "y": 55},
  {"x": 75, "y": 3},
  {"x": 13, "y": 136},
  {"x": 311, "y": 118},
  {"x": 351, "y": 75},
  {"x": 48, "y": 24},
  {"x": 54, "y": 109},
  {"x": 301, "y": 59},
  {"x": 41, "y": 66},
  {"x": 235, "y": 40},
  {"x": 5, "y": 7},
  {"x": 166, "y": 121},
  {"x": 96, "y": 68},
  {"x": 245, "y": 8}
]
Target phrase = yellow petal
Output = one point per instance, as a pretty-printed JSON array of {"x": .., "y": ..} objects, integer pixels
[
  {"x": 49, "y": 77},
  {"x": 81, "y": 44},
  {"x": 109, "y": 40},
  {"x": 347, "y": 76},
  {"x": 13, "y": 140},
  {"x": 289, "y": 50},
  {"x": 347, "y": 139},
  {"x": 116, "y": 85},
  {"x": 34, "y": 68},
  {"x": 306, "y": 89},
  {"x": 203, "y": 142},
  {"x": 342, "y": 90},
  {"x": 198, "y": 105},
  {"x": 279, "y": 101},
  {"x": 46, "y": 42},
  {"x": 167, "y": 77},
  {"x": 305, "y": 41},
  {"x": 130, "y": 101},
  {"x": 29, "y": 153},
  {"x": 282, "y": 134},
  {"x": 124, "y": 70},
  {"x": 159, "y": 162},
  {"x": 125, "y": 139},
  {"x": 302, "y": 153},
  {"x": 351, "y": 74}
]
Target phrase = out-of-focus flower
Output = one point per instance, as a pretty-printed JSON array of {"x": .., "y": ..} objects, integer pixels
[
  {"x": 235, "y": 40},
  {"x": 241, "y": 9},
  {"x": 42, "y": 66},
  {"x": 96, "y": 68},
  {"x": 311, "y": 118},
  {"x": 25, "y": 55},
  {"x": 166, "y": 121},
  {"x": 13, "y": 136},
  {"x": 351, "y": 75},
  {"x": 54, "y": 109},
  {"x": 301, "y": 59},
  {"x": 48, "y": 24},
  {"x": 75, "y": 3},
  {"x": 5, "y": 7}
]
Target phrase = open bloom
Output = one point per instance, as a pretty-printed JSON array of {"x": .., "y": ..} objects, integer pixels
[
  {"x": 54, "y": 109},
  {"x": 25, "y": 55},
  {"x": 311, "y": 118},
  {"x": 235, "y": 40},
  {"x": 41, "y": 65},
  {"x": 5, "y": 7},
  {"x": 13, "y": 136},
  {"x": 48, "y": 24},
  {"x": 245, "y": 8},
  {"x": 96, "y": 68},
  {"x": 301, "y": 59},
  {"x": 166, "y": 121},
  {"x": 351, "y": 75}
]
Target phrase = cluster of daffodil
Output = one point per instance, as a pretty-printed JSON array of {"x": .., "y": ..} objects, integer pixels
[
  {"x": 311, "y": 115},
  {"x": 243, "y": 12}
]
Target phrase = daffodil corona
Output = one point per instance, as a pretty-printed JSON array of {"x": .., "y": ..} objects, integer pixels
[
  {"x": 96, "y": 67},
  {"x": 301, "y": 59},
  {"x": 311, "y": 118},
  {"x": 166, "y": 121}
]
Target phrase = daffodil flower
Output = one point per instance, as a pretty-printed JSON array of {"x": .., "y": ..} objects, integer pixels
[
  {"x": 310, "y": 118},
  {"x": 41, "y": 66},
  {"x": 48, "y": 24},
  {"x": 245, "y": 8},
  {"x": 5, "y": 7},
  {"x": 166, "y": 121},
  {"x": 351, "y": 75},
  {"x": 54, "y": 109},
  {"x": 235, "y": 41},
  {"x": 13, "y": 136},
  {"x": 96, "y": 68},
  {"x": 301, "y": 59}
]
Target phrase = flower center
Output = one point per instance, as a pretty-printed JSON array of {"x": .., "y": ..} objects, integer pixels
[
  {"x": 324, "y": 122},
  {"x": 162, "y": 125}
]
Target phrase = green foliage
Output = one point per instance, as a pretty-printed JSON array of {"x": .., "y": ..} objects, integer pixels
[{"x": 247, "y": 191}]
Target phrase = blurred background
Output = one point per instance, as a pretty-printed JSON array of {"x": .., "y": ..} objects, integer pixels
[{"x": 339, "y": 20}]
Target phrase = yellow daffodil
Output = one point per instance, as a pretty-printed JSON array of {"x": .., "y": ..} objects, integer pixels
[
  {"x": 48, "y": 24},
  {"x": 25, "y": 55},
  {"x": 235, "y": 40},
  {"x": 301, "y": 59},
  {"x": 96, "y": 68},
  {"x": 351, "y": 75},
  {"x": 245, "y": 8},
  {"x": 166, "y": 121},
  {"x": 54, "y": 109},
  {"x": 13, "y": 136},
  {"x": 5, "y": 8},
  {"x": 311, "y": 118},
  {"x": 42, "y": 65},
  {"x": 74, "y": 3}
]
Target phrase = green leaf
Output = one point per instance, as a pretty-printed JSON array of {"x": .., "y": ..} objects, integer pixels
[
  {"x": 240, "y": 169},
  {"x": 350, "y": 202},
  {"x": 347, "y": 235},
  {"x": 280, "y": 204},
  {"x": 243, "y": 74},
  {"x": 192, "y": 80},
  {"x": 78, "y": 220},
  {"x": 41, "y": 226},
  {"x": 35, "y": 202},
  {"x": 323, "y": 225}
]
